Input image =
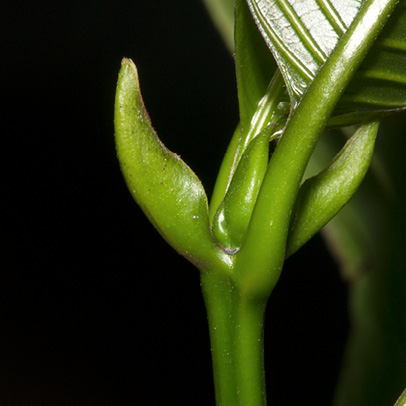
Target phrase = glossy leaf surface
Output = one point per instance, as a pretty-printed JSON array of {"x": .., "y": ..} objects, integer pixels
[
  {"x": 367, "y": 239},
  {"x": 164, "y": 187},
  {"x": 255, "y": 65},
  {"x": 257, "y": 97},
  {"x": 232, "y": 217},
  {"x": 302, "y": 34},
  {"x": 266, "y": 115},
  {"x": 321, "y": 197}
]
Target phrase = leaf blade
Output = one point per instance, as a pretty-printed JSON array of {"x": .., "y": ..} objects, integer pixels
[
  {"x": 303, "y": 34},
  {"x": 165, "y": 188},
  {"x": 321, "y": 197}
]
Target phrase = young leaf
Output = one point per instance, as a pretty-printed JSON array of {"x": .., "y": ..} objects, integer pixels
[
  {"x": 233, "y": 215},
  {"x": 267, "y": 113},
  {"x": 254, "y": 63},
  {"x": 166, "y": 189},
  {"x": 258, "y": 95},
  {"x": 302, "y": 36},
  {"x": 321, "y": 197}
]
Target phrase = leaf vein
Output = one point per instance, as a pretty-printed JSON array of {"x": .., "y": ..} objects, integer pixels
[
  {"x": 284, "y": 50},
  {"x": 332, "y": 15},
  {"x": 303, "y": 33}
]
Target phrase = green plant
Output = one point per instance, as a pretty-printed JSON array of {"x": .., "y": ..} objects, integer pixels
[{"x": 332, "y": 64}]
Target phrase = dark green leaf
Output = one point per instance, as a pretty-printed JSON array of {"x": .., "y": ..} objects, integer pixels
[
  {"x": 303, "y": 34},
  {"x": 380, "y": 82}
]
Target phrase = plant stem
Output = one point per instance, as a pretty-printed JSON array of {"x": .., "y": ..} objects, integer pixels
[
  {"x": 235, "y": 299},
  {"x": 219, "y": 300},
  {"x": 249, "y": 346},
  {"x": 236, "y": 337}
]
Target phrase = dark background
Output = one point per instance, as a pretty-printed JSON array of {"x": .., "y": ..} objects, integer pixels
[{"x": 95, "y": 308}]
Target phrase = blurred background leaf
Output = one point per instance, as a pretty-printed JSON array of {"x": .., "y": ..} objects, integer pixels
[{"x": 222, "y": 14}]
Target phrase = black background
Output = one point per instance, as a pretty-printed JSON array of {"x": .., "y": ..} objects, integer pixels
[{"x": 95, "y": 308}]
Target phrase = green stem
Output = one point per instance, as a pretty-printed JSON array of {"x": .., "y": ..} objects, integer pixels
[
  {"x": 236, "y": 338},
  {"x": 218, "y": 296},
  {"x": 236, "y": 299},
  {"x": 249, "y": 345}
]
